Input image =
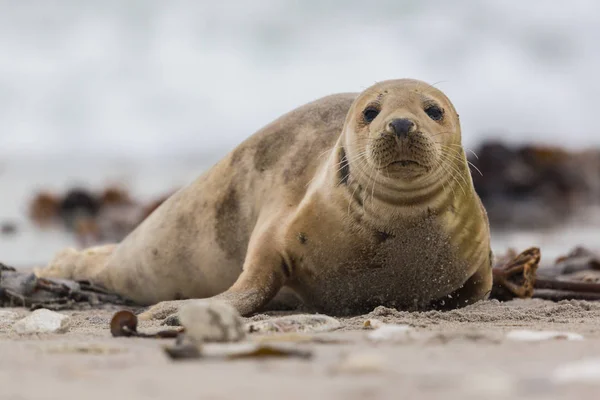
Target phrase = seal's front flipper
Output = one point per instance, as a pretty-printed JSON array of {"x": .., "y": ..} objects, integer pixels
[
  {"x": 245, "y": 301},
  {"x": 250, "y": 293},
  {"x": 263, "y": 275}
]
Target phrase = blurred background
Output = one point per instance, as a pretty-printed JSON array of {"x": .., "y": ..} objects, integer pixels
[{"x": 147, "y": 94}]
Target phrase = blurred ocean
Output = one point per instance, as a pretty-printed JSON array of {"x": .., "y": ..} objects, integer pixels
[
  {"x": 153, "y": 92},
  {"x": 149, "y": 77}
]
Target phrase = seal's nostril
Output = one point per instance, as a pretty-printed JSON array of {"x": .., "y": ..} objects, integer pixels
[{"x": 401, "y": 127}]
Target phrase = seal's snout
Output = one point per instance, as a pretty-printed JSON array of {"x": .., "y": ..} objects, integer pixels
[{"x": 401, "y": 127}]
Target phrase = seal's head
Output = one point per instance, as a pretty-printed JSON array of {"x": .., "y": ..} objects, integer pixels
[{"x": 402, "y": 129}]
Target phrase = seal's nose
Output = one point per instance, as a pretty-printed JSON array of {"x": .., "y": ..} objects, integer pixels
[{"x": 401, "y": 127}]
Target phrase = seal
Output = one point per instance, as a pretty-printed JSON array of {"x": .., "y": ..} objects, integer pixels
[{"x": 349, "y": 202}]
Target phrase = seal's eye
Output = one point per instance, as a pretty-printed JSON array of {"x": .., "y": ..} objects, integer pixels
[
  {"x": 370, "y": 114},
  {"x": 434, "y": 112}
]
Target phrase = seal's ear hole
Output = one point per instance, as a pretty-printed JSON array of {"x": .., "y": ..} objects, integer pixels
[
  {"x": 434, "y": 112},
  {"x": 370, "y": 114}
]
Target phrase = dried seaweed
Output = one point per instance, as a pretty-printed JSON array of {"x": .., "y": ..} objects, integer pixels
[
  {"x": 517, "y": 276},
  {"x": 21, "y": 289}
]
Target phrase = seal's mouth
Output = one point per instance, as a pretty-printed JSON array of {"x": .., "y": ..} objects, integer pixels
[
  {"x": 404, "y": 164},
  {"x": 410, "y": 155}
]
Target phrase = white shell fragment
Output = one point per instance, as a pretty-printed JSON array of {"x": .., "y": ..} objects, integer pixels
[
  {"x": 391, "y": 332},
  {"x": 43, "y": 321},
  {"x": 534, "y": 336},
  {"x": 302, "y": 323}
]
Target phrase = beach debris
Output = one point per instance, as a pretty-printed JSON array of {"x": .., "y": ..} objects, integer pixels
[
  {"x": 361, "y": 363},
  {"x": 43, "y": 321},
  {"x": 184, "y": 350},
  {"x": 124, "y": 323},
  {"x": 514, "y": 275},
  {"x": 301, "y": 323},
  {"x": 585, "y": 371},
  {"x": 573, "y": 276},
  {"x": 211, "y": 321},
  {"x": 525, "y": 335},
  {"x": 391, "y": 333},
  {"x": 557, "y": 290},
  {"x": 23, "y": 289},
  {"x": 518, "y": 276}
]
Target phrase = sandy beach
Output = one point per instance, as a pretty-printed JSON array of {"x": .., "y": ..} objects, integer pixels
[{"x": 459, "y": 354}]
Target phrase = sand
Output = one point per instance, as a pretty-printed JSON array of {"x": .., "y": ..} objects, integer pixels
[{"x": 458, "y": 354}]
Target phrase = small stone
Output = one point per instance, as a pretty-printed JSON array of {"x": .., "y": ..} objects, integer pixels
[
  {"x": 302, "y": 323},
  {"x": 211, "y": 321},
  {"x": 361, "y": 363},
  {"x": 391, "y": 332},
  {"x": 43, "y": 321}
]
